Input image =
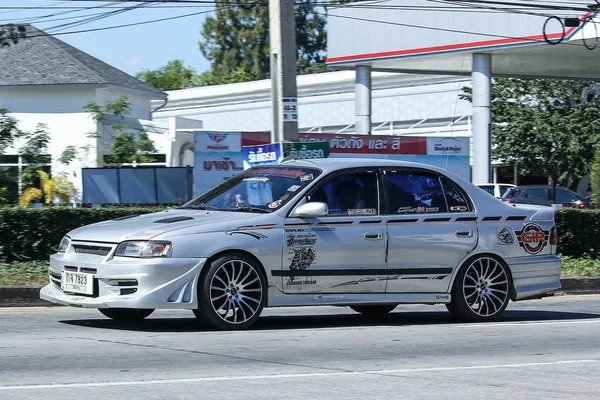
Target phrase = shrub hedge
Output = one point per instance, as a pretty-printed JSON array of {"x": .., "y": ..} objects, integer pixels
[
  {"x": 578, "y": 232},
  {"x": 33, "y": 233}
]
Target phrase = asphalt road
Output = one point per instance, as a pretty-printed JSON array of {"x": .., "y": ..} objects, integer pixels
[{"x": 542, "y": 349}]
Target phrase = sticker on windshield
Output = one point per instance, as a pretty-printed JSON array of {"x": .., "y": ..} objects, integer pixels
[
  {"x": 256, "y": 179},
  {"x": 307, "y": 177},
  {"x": 278, "y": 172},
  {"x": 432, "y": 209},
  {"x": 458, "y": 208},
  {"x": 293, "y": 188},
  {"x": 275, "y": 204},
  {"x": 362, "y": 211}
]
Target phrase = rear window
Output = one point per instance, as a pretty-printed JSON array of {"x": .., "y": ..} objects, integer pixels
[
  {"x": 504, "y": 189},
  {"x": 488, "y": 188},
  {"x": 511, "y": 193}
]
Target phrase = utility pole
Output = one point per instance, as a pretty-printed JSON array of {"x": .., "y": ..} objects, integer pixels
[{"x": 284, "y": 94}]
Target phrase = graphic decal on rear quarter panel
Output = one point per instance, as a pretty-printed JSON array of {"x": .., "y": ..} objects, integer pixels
[
  {"x": 532, "y": 238},
  {"x": 505, "y": 236}
]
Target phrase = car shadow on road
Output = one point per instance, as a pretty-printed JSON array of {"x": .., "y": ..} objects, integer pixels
[{"x": 288, "y": 322}]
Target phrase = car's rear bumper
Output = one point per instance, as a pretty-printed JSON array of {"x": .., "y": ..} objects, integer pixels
[
  {"x": 535, "y": 276},
  {"x": 165, "y": 283}
]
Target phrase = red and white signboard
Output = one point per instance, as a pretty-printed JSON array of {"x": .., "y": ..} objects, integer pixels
[{"x": 218, "y": 155}]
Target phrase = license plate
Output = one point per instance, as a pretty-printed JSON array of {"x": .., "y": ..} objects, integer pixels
[{"x": 77, "y": 283}]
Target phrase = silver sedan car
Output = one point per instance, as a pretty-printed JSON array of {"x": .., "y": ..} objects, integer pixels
[{"x": 367, "y": 234}]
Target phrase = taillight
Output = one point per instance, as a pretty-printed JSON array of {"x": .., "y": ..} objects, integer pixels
[
  {"x": 553, "y": 237},
  {"x": 581, "y": 205},
  {"x": 510, "y": 201}
]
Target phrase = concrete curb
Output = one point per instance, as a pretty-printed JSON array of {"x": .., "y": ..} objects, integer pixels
[{"x": 27, "y": 296}]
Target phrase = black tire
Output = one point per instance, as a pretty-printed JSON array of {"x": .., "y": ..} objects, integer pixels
[
  {"x": 481, "y": 290},
  {"x": 125, "y": 314},
  {"x": 233, "y": 283},
  {"x": 374, "y": 310}
]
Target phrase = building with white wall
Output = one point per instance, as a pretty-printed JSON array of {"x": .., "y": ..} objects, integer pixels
[
  {"x": 403, "y": 104},
  {"x": 46, "y": 81}
]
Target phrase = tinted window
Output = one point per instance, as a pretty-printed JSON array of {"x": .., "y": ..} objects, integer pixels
[
  {"x": 349, "y": 194},
  {"x": 564, "y": 196},
  {"x": 504, "y": 189},
  {"x": 262, "y": 188},
  {"x": 410, "y": 193},
  {"x": 537, "y": 194},
  {"x": 511, "y": 193},
  {"x": 455, "y": 197},
  {"x": 488, "y": 188}
]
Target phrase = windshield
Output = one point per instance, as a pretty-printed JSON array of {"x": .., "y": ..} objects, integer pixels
[{"x": 258, "y": 189}]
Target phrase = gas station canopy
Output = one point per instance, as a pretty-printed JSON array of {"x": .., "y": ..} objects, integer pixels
[{"x": 524, "y": 38}]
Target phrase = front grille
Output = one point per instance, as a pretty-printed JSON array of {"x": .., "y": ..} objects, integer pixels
[{"x": 89, "y": 249}]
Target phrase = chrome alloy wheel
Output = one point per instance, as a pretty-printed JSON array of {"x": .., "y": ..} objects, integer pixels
[
  {"x": 236, "y": 291},
  {"x": 485, "y": 287}
]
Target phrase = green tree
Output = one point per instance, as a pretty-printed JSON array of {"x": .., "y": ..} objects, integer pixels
[
  {"x": 33, "y": 152},
  {"x": 236, "y": 41},
  {"x": 545, "y": 125},
  {"x": 174, "y": 75},
  {"x": 9, "y": 132},
  {"x": 129, "y": 145}
]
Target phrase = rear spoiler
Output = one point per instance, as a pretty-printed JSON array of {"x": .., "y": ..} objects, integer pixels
[{"x": 543, "y": 213}]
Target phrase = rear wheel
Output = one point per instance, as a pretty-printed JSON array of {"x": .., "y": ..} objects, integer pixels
[
  {"x": 125, "y": 314},
  {"x": 374, "y": 310},
  {"x": 481, "y": 290},
  {"x": 232, "y": 294}
]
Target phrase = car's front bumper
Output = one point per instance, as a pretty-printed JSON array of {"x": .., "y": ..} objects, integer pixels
[
  {"x": 161, "y": 283},
  {"x": 535, "y": 276}
]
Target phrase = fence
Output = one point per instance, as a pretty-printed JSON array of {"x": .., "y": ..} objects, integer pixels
[{"x": 142, "y": 185}]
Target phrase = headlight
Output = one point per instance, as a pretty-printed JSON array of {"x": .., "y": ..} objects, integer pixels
[
  {"x": 64, "y": 244},
  {"x": 143, "y": 249}
]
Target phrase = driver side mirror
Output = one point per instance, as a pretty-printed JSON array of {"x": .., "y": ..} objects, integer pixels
[{"x": 311, "y": 210}]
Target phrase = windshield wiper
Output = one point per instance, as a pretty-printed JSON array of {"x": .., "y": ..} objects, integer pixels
[{"x": 250, "y": 209}]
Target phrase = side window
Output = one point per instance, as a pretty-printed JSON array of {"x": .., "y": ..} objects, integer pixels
[
  {"x": 564, "y": 196},
  {"x": 537, "y": 194},
  {"x": 349, "y": 194},
  {"x": 411, "y": 193},
  {"x": 455, "y": 196}
]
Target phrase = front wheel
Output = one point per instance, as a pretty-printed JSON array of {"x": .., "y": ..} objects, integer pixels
[
  {"x": 375, "y": 310},
  {"x": 232, "y": 294},
  {"x": 481, "y": 290},
  {"x": 125, "y": 314}
]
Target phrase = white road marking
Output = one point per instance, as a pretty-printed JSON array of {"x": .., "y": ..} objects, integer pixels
[{"x": 291, "y": 376}]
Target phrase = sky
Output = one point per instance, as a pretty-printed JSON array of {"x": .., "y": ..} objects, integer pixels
[{"x": 130, "y": 49}]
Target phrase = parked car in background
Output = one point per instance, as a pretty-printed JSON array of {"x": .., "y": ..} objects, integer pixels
[
  {"x": 496, "y": 189},
  {"x": 543, "y": 195}
]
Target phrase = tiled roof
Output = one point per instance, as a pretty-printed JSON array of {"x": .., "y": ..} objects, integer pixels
[{"x": 42, "y": 59}]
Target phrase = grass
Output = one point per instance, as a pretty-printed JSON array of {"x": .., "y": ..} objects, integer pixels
[
  {"x": 579, "y": 267},
  {"x": 24, "y": 273},
  {"x": 35, "y": 273}
]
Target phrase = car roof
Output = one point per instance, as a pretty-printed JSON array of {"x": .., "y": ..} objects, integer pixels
[{"x": 333, "y": 164}]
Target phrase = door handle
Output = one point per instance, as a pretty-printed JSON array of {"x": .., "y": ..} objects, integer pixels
[
  {"x": 373, "y": 235},
  {"x": 464, "y": 232}
]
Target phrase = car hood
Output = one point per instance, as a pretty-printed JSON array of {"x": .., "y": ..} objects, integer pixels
[{"x": 147, "y": 226}]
